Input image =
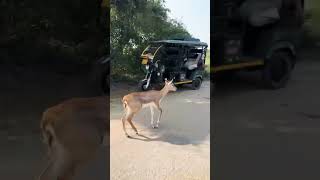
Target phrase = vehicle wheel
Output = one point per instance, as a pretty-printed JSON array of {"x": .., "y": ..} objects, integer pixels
[
  {"x": 196, "y": 84},
  {"x": 141, "y": 85},
  {"x": 277, "y": 70}
]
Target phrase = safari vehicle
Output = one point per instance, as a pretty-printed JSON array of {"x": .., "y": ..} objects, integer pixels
[
  {"x": 257, "y": 35},
  {"x": 182, "y": 60}
]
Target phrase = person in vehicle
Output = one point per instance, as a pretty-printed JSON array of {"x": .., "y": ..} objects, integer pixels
[{"x": 192, "y": 63}]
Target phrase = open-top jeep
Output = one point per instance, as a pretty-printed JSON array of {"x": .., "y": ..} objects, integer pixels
[{"x": 180, "y": 60}]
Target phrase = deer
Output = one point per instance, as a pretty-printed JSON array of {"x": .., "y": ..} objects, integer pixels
[
  {"x": 73, "y": 130},
  {"x": 134, "y": 102}
]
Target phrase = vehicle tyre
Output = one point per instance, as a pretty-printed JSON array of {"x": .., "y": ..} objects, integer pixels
[
  {"x": 277, "y": 70},
  {"x": 196, "y": 83},
  {"x": 141, "y": 85}
]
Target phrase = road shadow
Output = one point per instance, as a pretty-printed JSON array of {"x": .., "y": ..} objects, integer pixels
[
  {"x": 169, "y": 138},
  {"x": 238, "y": 83},
  {"x": 142, "y": 137}
]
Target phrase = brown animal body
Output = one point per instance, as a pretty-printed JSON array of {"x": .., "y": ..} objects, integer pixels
[
  {"x": 134, "y": 102},
  {"x": 73, "y": 130}
]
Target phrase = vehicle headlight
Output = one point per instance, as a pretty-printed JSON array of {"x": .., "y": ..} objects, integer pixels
[{"x": 147, "y": 67}]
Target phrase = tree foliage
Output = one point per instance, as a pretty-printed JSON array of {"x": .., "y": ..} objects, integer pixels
[
  {"x": 39, "y": 31},
  {"x": 133, "y": 24}
]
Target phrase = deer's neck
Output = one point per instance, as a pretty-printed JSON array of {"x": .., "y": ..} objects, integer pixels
[{"x": 163, "y": 92}]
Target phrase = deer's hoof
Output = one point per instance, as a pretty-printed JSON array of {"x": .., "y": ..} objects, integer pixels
[{"x": 137, "y": 133}]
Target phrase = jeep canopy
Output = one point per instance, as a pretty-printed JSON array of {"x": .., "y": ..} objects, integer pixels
[{"x": 181, "y": 42}]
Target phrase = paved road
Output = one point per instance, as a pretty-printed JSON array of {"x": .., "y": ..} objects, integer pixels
[
  {"x": 179, "y": 149},
  {"x": 261, "y": 134}
]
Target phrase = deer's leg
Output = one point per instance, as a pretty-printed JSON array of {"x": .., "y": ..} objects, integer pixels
[
  {"x": 123, "y": 119},
  {"x": 68, "y": 172},
  {"x": 152, "y": 114},
  {"x": 130, "y": 122},
  {"x": 60, "y": 164},
  {"x": 45, "y": 173},
  {"x": 64, "y": 166},
  {"x": 50, "y": 171},
  {"x": 160, "y": 109}
]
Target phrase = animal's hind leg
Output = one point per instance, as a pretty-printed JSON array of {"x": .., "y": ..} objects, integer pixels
[
  {"x": 60, "y": 165},
  {"x": 45, "y": 174},
  {"x": 64, "y": 167},
  {"x": 160, "y": 109},
  {"x": 130, "y": 116},
  {"x": 152, "y": 114},
  {"x": 123, "y": 119},
  {"x": 68, "y": 172}
]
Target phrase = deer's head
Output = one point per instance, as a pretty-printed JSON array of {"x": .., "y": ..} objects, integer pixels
[{"x": 170, "y": 86}]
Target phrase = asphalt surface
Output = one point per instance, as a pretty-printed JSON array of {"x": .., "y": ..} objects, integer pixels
[
  {"x": 179, "y": 149},
  {"x": 268, "y": 134}
]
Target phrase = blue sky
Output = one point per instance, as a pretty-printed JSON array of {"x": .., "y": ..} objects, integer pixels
[{"x": 194, "y": 14}]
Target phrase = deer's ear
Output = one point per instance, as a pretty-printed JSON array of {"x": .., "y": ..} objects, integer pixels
[
  {"x": 166, "y": 80},
  {"x": 170, "y": 82}
]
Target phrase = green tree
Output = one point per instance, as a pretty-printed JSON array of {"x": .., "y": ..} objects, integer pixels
[{"x": 135, "y": 23}]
